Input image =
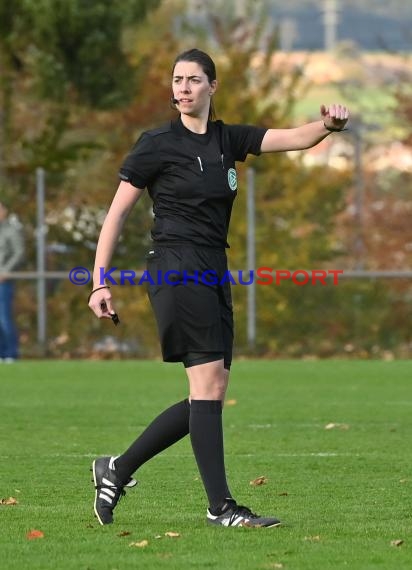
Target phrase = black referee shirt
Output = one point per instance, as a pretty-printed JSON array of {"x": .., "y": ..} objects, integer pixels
[{"x": 191, "y": 178}]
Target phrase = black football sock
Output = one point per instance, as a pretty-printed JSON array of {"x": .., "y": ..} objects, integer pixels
[
  {"x": 206, "y": 434},
  {"x": 170, "y": 426}
]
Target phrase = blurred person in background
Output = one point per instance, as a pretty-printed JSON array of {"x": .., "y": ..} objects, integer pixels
[{"x": 11, "y": 256}]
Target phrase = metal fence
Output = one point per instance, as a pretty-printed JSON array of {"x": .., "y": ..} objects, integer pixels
[{"x": 41, "y": 275}]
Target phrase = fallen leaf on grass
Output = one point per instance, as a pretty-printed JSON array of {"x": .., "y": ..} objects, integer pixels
[
  {"x": 398, "y": 542},
  {"x": 262, "y": 480},
  {"x": 403, "y": 480},
  {"x": 172, "y": 534},
  {"x": 124, "y": 533},
  {"x": 248, "y": 524},
  {"x": 32, "y": 534},
  {"x": 9, "y": 501},
  {"x": 230, "y": 402},
  {"x": 313, "y": 538},
  {"x": 140, "y": 544},
  {"x": 333, "y": 425}
]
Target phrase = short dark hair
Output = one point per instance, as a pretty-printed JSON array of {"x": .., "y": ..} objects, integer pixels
[{"x": 206, "y": 63}]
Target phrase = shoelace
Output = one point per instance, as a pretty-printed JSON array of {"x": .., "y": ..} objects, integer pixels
[
  {"x": 119, "y": 492},
  {"x": 242, "y": 512},
  {"x": 130, "y": 483},
  {"x": 112, "y": 487}
]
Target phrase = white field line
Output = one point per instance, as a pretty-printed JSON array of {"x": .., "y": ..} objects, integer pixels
[{"x": 325, "y": 454}]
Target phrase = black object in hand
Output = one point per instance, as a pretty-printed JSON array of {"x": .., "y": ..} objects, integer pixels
[{"x": 115, "y": 318}]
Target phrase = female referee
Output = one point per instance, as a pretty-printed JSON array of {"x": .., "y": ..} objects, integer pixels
[{"x": 188, "y": 167}]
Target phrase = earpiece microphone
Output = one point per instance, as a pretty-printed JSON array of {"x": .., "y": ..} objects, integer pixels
[{"x": 174, "y": 101}]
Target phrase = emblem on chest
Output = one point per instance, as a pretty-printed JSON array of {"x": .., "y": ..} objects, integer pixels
[{"x": 232, "y": 179}]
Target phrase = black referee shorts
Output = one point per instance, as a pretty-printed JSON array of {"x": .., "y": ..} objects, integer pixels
[{"x": 193, "y": 309}]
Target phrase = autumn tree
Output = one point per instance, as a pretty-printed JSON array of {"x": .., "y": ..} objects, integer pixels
[
  {"x": 66, "y": 53},
  {"x": 296, "y": 205},
  {"x": 64, "y": 67}
]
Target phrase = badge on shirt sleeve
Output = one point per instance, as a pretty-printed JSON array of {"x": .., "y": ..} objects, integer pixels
[{"x": 232, "y": 179}]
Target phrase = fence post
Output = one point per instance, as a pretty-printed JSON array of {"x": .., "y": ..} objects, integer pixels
[
  {"x": 251, "y": 258},
  {"x": 41, "y": 261},
  {"x": 359, "y": 245}
]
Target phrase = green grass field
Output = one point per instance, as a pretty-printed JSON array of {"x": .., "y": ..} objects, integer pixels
[{"x": 343, "y": 493}]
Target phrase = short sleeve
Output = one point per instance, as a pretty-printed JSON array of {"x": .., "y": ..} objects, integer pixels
[
  {"x": 245, "y": 139},
  {"x": 142, "y": 164}
]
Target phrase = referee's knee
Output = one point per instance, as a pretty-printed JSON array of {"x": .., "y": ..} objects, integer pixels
[
  {"x": 208, "y": 389},
  {"x": 208, "y": 381}
]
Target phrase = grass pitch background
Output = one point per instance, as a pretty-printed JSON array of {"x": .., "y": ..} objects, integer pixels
[{"x": 344, "y": 493}]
